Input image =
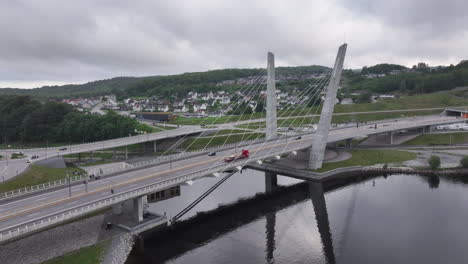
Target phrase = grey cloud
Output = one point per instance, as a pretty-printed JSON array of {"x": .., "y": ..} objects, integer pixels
[{"x": 84, "y": 40}]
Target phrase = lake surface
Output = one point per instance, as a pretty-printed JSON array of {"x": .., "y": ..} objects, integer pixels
[{"x": 397, "y": 219}]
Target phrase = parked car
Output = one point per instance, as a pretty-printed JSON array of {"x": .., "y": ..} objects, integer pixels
[{"x": 212, "y": 154}]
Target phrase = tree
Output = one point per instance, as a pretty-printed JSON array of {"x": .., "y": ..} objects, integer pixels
[
  {"x": 260, "y": 106},
  {"x": 364, "y": 98},
  {"x": 434, "y": 162},
  {"x": 464, "y": 162}
]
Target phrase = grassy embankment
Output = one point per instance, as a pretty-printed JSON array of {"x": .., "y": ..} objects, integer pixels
[
  {"x": 433, "y": 100},
  {"x": 370, "y": 157},
  {"x": 37, "y": 175},
  {"x": 200, "y": 143},
  {"x": 439, "y": 139},
  {"x": 86, "y": 255}
]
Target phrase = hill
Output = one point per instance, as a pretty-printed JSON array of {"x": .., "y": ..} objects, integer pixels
[{"x": 159, "y": 85}]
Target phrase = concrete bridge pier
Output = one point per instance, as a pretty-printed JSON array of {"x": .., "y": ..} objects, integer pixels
[
  {"x": 349, "y": 143},
  {"x": 427, "y": 129},
  {"x": 155, "y": 147},
  {"x": 139, "y": 205},
  {"x": 270, "y": 236},
  {"x": 317, "y": 196},
  {"x": 390, "y": 137},
  {"x": 271, "y": 182}
]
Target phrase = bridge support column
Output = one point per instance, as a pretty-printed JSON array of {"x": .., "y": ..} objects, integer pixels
[
  {"x": 427, "y": 130},
  {"x": 154, "y": 147},
  {"x": 271, "y": 121},
  {"x": 321, "y": 216},
  {"x": 390, "y": 137},
  {"x": 271, "y": 182},
  {"x": 321, "y": 135},
  {"x": 270, "y": 237},
  {"x": 139, "y": 205},
  {"x": 349, "y": 143}
]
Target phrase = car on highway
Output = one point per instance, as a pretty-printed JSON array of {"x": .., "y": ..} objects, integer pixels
[
  {"x": 299, "y": 137},
  {"x": 28, "y": 161},
  {"x": 244, "y": 154},
  {"x": 212, "y": 154},
  {"x": 62, "y": 149}
]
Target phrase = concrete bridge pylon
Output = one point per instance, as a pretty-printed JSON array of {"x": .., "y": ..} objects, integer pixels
[
  {"x": 317, "y": 150},
  {"x": 271, "y": 119}
]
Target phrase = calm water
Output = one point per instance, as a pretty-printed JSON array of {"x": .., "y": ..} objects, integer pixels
[{"x": 398, "y": 219}]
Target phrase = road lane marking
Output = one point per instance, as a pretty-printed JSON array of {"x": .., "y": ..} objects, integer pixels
[
  {"x": 108, "y": 187},
  {"x": 120, "y": 183}
]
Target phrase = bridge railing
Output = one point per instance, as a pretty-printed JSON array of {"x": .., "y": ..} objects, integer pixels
[
  {"x": 42, "y": 186},
  {"x": 109, "y": 143},
  {"x": 63, "y": 215},
  {"x": 117, "y": 169}
]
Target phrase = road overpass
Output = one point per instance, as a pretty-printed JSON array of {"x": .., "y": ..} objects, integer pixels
[{"x": 24, "y": 215}]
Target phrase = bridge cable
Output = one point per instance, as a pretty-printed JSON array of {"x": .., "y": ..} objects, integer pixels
[
  {"x": 260, "y": 74},
  {"x": 251, "y": 156}
]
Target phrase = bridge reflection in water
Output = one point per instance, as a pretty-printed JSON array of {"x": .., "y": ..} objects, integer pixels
[
  {"x": 192, "y": 234},
  {"x": 316, "y": 194}
]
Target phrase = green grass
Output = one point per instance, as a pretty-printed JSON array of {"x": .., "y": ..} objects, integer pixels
[
  {"x": 17, "y": 156},
  {"x": 370, "y": 157},
  {"x": 36, "y": 175},
  {"x": 340, "y": 119},
  {"x": 86, "y": 255},
  {"x": 432, "y": 100},
  {"x": 438, "y": 139},
  {"x": 200, "y": 143},
  {"x": 88, "y": 155},
  {"x": 228, "y": 131},
  {"x": 99, "y": 162}
]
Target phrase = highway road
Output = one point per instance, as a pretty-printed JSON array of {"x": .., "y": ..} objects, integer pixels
[
  {"x": 44, "y": 153},
  {"x": 26, "y": 209}
]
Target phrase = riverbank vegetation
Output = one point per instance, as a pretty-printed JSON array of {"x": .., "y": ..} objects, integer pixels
[
  {"x": 200, "y": 143},
  {"x": 87, "y": 255},
  {"x": 366, "y": 157},
  {"x": 439, "y": 139}
]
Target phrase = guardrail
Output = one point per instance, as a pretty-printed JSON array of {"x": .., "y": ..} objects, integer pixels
[
  {"x": 42, "y": 186},
  {"x": 111, "y": 170},
  {"x": 175, "y": 157},
  {"x": 63, "y": 215},
  {"x": 111, "y": 142},
  {"x": 66, "y": 214}
]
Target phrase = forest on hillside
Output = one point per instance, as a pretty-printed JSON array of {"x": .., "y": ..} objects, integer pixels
[
  {"x": 417, "y": 82},
  {"x": 24, "y": 119},
  {"x": 170, "y": 85}
]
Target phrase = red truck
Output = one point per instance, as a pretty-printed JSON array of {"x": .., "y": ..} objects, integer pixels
[{"x": 244, "y": 154}]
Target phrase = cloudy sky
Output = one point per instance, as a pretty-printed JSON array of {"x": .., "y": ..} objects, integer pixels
[{"x": 55, "y": 41}]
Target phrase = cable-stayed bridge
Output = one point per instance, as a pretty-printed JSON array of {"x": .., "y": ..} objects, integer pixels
[{"x": 25, "y": 214}]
